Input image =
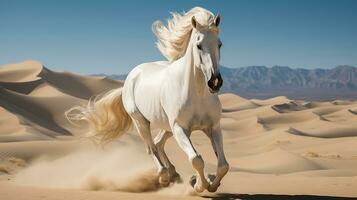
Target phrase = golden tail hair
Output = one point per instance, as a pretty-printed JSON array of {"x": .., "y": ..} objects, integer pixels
[{"x": 105, "y": 114}]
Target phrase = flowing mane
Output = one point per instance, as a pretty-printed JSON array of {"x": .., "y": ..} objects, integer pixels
[{"x": 172, "y": 40}]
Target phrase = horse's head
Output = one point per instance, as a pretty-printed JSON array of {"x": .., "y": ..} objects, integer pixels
[{"x": 206, "y": 52}]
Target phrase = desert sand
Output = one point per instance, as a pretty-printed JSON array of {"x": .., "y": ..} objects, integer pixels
[{"x": 276, "y": 147}]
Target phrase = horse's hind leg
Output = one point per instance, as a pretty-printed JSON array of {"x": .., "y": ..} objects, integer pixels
[
  {"x": 143, "y": 127},
  {"x": 160, "y": 141}
]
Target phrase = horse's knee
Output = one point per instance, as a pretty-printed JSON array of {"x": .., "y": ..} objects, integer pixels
[{"x": 197, "y": 162}]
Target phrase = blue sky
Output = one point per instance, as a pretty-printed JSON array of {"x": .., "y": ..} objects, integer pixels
[{"x": 114, "y": 36}]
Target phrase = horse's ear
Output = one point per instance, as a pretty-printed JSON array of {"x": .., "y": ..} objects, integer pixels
[
  {"x": 195, "y": 23},
  {"x": 217, "y": 20}
]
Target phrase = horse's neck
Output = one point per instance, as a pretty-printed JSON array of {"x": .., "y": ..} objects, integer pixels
[{"x": 191, "y": 78}]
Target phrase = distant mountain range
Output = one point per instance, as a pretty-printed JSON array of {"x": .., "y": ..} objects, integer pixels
[{"x": 309, "y": 84}]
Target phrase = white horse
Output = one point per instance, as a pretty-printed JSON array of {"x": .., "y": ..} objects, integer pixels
[{"x": 177, "y": 96}]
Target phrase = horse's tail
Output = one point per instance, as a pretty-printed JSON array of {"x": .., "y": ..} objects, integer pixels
[{"x": 105, "y": 114}]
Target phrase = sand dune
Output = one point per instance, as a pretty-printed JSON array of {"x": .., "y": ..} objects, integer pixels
[
  {"x": 26, "y": 71},
  {"x": 274, "y": 146},
  {"x": 41, "y": 89},
  {"x": 76, "y": 85}
]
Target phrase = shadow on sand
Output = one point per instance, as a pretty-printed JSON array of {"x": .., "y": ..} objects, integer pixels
[{"x": 228, "y": 196}]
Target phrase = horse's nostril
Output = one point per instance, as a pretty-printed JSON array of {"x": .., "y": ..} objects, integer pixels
[{"x": 216, "y": 81}]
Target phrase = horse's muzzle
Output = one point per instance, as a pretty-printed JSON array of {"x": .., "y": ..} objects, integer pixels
[{"x": 215, "y": 83}]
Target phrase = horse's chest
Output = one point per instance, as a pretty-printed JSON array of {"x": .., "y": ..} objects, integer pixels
[
  {"x": 199, "y": 115},
  {"x": 200, "y": 122}
]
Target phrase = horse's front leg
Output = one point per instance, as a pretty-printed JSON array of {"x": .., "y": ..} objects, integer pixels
[
  {"x": 182, "y": 137},
  {"x": 222, "y": 166}
]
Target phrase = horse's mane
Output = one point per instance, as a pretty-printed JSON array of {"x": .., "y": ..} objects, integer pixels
[{"x": 172, "y": 40}]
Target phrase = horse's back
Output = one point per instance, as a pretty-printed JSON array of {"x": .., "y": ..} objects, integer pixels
[{"x": 148, "y": 75}]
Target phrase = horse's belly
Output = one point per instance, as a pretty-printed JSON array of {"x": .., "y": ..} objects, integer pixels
[
  {"x": 156, "y": 117},
  {"x": 147, "y": 100}
]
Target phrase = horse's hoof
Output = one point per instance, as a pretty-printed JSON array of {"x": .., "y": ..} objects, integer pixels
[
  {"x": 195, "y": 185},
  {"x": 164, "y": 178},
  {"x": 198, "y": 188},
  {"x": 213, "y": 189},
  {"x": 164, "y": 183},
  {"x": 176, "y": 178}
]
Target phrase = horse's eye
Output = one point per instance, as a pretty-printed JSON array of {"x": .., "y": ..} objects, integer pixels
[
  {"x": 199, "y": 47},
  {"x": 219, "y": 45}
]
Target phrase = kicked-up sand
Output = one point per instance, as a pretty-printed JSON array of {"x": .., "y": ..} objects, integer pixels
[{"x": 276, "y": 147}]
